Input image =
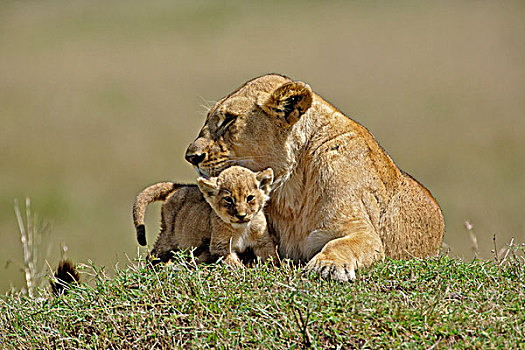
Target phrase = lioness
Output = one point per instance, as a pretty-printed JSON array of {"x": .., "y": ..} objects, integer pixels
[
  {"x": 236, "y": 223},
  {"x": 339, "y": 201}
]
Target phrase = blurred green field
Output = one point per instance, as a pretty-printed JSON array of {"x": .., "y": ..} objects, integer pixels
[{"x": 99, "y": 99}]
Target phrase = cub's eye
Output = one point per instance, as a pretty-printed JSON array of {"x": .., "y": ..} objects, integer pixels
[
  {"x": 229, "y": 118},
  {"x": 228, "y": 200},
  {"x": 250, "y": 198}
]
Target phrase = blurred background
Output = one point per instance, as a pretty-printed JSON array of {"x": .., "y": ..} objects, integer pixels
[{"x": 100, "y": 99}]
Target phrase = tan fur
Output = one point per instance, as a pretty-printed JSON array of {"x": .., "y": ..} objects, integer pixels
[
  {"x": 188, "y": 221},
  {"x": 339, "y": 201}
]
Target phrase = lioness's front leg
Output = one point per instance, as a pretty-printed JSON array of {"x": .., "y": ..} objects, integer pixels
[{"x": 340, "y": 257}]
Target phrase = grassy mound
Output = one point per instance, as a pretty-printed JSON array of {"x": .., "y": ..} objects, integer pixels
[{"x": 440, "y": 302}]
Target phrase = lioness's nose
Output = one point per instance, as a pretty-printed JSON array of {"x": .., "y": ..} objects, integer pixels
[
  {"x": 196, "y": 152},
  {"x": 195, "y": 158}
]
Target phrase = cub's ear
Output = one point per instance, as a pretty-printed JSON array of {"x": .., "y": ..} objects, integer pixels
[
  {"x": 208, "y": 187},
  {"x": 265, "y": 178},
  {"x": 287, "y": 103}
]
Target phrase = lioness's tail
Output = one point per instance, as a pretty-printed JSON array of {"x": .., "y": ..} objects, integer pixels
[
  {"x": 65, "y": 275},
  {"x": 157, "y": 192}
]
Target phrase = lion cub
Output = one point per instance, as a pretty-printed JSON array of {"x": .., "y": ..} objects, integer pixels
[
  {"x": 223, "y": 219},
  {"x": 237, "y": 197}
]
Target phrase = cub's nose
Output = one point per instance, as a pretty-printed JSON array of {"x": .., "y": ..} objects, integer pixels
[
  {"x": 240, "y": 216},
  {"x": 195, "y": 158}
]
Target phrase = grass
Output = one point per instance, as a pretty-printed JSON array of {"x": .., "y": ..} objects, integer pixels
[{"x": 433, "y": 303}]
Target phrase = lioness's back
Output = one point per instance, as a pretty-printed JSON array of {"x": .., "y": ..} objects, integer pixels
[{"x": 413, "y": 224}]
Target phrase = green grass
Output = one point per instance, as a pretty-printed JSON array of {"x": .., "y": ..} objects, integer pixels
[{"x": 441, "y": 302}]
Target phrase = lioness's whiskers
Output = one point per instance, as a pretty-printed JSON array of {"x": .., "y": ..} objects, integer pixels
[
  {"x": 206, "y": 105},
  {"x": 250, "y": 157}
]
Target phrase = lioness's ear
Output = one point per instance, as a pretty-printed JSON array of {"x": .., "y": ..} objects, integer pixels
[
  {"x": 287, "y": 103},
  {"x": 208, "y": 187},
  {"x": 265, "y": 178}
]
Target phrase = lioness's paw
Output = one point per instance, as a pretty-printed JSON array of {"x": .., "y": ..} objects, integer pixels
[{"x": 329, "y": 269}]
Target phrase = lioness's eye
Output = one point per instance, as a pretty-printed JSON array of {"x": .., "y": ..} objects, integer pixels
[
  {"x": 228, "y": 200},
  {"x": 250, "y": 198},
  {"x": 228, "y": 119}
]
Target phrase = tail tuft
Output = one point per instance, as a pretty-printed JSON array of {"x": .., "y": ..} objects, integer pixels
[
  {"x": 65, "y": 275},
  {"x": 141, "y": 234}
]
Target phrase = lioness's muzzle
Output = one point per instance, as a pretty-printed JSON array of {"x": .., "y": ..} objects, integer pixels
[{"x": 196, "y": 151}]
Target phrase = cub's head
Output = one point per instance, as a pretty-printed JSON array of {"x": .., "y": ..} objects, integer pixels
[
  {"x": 251, "y": 127},
  {"x": 237, "y": 194}
]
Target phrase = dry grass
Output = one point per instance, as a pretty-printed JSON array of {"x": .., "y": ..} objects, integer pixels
[
  {"x": 32, "y": 232},
  {"x": 99, "y": 99}
]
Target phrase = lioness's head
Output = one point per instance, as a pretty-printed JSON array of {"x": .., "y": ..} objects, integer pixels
[
  {"x": 251, "y": 126},
  {"x": 237, "y": 194}
]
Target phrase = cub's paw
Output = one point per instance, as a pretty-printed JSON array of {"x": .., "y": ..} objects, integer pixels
[
  {"x": 233, "y": 260},
  {"x": 334, "y": 270}
]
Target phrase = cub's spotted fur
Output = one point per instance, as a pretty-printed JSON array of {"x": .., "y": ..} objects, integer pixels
[{"x": 234, "y": 225}]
